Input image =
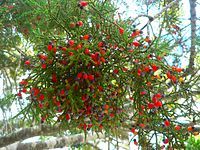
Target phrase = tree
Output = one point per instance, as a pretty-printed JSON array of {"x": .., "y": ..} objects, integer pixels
[{"x": 91, "y": 70}]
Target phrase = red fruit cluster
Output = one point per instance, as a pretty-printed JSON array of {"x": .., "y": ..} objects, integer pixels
[{"x": 85, "y": 78}]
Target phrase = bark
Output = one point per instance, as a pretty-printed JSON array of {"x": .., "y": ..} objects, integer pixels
[
  {"x": 27, "y": 133},
  {"x": 193, "y": 18},
  {"x": 59, "y": 142}
]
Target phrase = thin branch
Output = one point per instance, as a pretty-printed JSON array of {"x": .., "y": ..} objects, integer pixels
[{"x": 158, "y": 14}]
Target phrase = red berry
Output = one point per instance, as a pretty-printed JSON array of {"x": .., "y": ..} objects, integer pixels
[
  {"x": 27, "y": 62},
  {"x": 62, "y": 92},
  {"x": 19, "y": 94},
  {"x": 100, "y": 44},
  {"x": 177, "y": 128},
  {"x": 147, "y": 69},
  {"x": 173, "y": 78},
  {"x": 44, "y": 66},
  {"x": 72, "y": 25},
  {"x": 166, "y": 141},
  {"x": 150, "y": 105},
  {"x": 133, "y": 130},
  {"x": 86, "y": 37},
  {"x": 100, "y": 88},
  {"x": 49, "y": 47},
  {"x": 169, "y": 75},
  {"x": 85, "y": 76},
  {"x": 143, "y": 93},
  {"x": 42, "y": 57},
  {"x": 80, "y": 23},
  {"x": 87, "y": 51},
  {"x": 158, "y": 95},
  {"x": 121, "y": 31},
  {"x": 64, "y": 48},
  {"x": 23, "y": 82},
  {"x": 79, "y": 75},
  {"x": 83, "y": 3},
  {"x": 41, "y": 97},
  {"x": 24, "y": 90},
  {"x": 136, "y": 43},
  {"x": 167, "y": 123},
  {"x": 54, "y": 78},
  {"x": 154, "y": 67},
  {"x": 84, "y": 97},
  {"x": 112, "y": 115},
  {"x": 91, "y": 77},
  {"x": 139, "y": 72},
  {"x": 40, "y": 105},
  {"x": 158, "y": 104},
  {"x": 116, "y": 71},
  {"x": 71, "y": 42},
  {"x": 67, "y": 117},
  {"x": 71, "y": 53}
]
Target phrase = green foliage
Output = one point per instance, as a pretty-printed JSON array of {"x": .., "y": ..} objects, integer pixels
[{"x": 193, "y": 144}]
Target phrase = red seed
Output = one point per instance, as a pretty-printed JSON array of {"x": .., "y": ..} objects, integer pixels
[
  {"x": 100, "y": 88},
  {"x": 166, "y": 141},
  {"x": 85, "y": 76},
  {"x": 28, "y": 62},
  {"x": 177, "y": 128},
  {"x": 143, "y": 93},
  {"x": 121, "y": 31},
  {"x": 24, "y": 90},
  {"x": 116, "y": 71},
  {"x": 83, "y": 3},
  {"x": 54, "y": 78},
  {"x": 44, "y": 66},
  {"x": 62, "y": 92},
  {"x": 112, "y": 115},
  {"x": 67, "y": 117},
  {"x": 169, "y": 75},
  {"x": 100, "y": 44},
  {"x": 41, "y": 97},
  {"x": 19, "y": 94},
  {"x": 167, "y": 123},
  {"x": 158, "y": 104},
  {"x": 154, "y": 67},
  {"x": 136, "y": 43},
  {"x": 23, "y": 82},
  {"x": 49, "y": 47},
  {"x": 147, "y": 69},
  {"x": 80, "y": 23},
  {"x": 151, "y": 105},
  {"x": 71, "y": 53},
  {"x": 139, "y": 72},
  {"x": 87, "y": 51},
  {"x": 79, "y": 75},
  {"x": 86, "y": 37},
  {"x": 133, "y": 130},
  {"x": 90, "y": 77},
  {"x": 71, "y": 42}
]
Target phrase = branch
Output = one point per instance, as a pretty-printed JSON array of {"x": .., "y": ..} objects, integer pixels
[
  {"x": 59, "y": 142},
  {"x": 158, "y": 14},
  {"x": 193, "y": 18},
  {"x": 27, "y": 133}
]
